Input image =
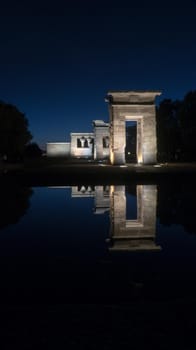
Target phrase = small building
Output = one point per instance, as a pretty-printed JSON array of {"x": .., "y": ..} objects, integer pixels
[{"x": 94, "y": 145}]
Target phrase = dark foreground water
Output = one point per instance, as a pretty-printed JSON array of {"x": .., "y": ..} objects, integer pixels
[{"x": 98, "y": 267}]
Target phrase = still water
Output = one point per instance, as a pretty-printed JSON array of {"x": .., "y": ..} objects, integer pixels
[{"x": 98, "y": 266}]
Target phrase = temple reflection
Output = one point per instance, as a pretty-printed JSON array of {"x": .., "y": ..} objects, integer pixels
[
  {"x": 125, "y": 234},
  {"x": 138, "y": 234},
  {"x": 101, "y": 196}
]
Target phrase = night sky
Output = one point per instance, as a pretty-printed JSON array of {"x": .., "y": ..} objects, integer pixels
[{"x": 59, "y": 59}]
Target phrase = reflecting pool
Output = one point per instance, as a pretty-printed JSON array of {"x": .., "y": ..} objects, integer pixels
[{"x": 93, "y": 266}]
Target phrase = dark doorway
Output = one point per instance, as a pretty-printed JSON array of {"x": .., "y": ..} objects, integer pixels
[
  {"x": 131, "y": 202},
  {"x": 131, "y": 141}
]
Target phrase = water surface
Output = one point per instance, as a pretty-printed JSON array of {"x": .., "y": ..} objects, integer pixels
[{"x": 111, "y": 264}]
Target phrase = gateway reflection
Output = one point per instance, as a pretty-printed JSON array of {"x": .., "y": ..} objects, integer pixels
[
  {"x": 138, "y": 234},
  {"x": 125, "y": 234}
]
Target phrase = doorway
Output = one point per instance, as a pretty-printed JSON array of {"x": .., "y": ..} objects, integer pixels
[{"x": 131, "y": 142}]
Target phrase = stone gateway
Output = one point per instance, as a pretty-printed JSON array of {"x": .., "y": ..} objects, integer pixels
[{"x": 108, "y": 141}]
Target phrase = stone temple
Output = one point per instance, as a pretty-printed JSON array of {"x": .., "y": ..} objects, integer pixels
[{"x": 108, "y": 140}]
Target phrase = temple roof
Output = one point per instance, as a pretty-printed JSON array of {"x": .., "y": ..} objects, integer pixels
[{"x": 130, "y": 97}]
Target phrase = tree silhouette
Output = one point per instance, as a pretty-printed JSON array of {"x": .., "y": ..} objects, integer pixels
[
  {"x": 187, "y": 118},
  {"x": 15, "y": 201},
  {"x": 168, "y": 130},
  {"x": 175, "y": 205},
  {"x": 176, "y": 129},
  {"x": 14, "y": 133},
  {"x": 32, "y": 150}
]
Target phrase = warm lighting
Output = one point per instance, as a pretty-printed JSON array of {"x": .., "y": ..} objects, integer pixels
[
  {"x": 138, "y": 234},
  {"x": 111, "y": 190},
  {"x": 56, "y": 149},
  {"x": 112, "y": 157},
  {"x": 139, "y": 158}
]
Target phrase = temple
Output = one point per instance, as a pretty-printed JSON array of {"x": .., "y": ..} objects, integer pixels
[{"x": 108, "y": 140}]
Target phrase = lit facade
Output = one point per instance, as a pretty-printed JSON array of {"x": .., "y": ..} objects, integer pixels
[
  {"x": 93, "y": 145},
  {"x": 108, "y": 140}
]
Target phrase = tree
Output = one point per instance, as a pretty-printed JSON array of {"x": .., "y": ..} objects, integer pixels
[
  {"x": 14, "y": 133},
  {"x": 15, "y": 202},
  {"x": 176, "y": 129},
  {"x": 32, "y": 150},
  {"x": 187, "y": 119},
  {"x": 175, "y": 204},
  {"x": 168, "y": 130}
]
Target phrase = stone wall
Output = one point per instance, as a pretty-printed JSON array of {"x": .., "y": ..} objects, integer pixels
[
  {"x": 102, "y": 140},
  {"x": 58, "y": 149},
  {"x": 82, "y": 145}
]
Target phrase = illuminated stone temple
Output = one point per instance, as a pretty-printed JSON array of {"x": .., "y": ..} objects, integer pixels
[
  {"x": 87, "y": 145},
  {"x": 108, "y": 140}
]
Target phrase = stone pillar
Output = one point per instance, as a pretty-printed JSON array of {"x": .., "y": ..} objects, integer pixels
[
  {"x": 139, "y": 141},
  {"x": 118, "y": 141},
  {"x": 73, "y": 147},
  {"x": 102, "y": 200},
  {"x": 101, "y": 130},
  {"x": 149, "y": 206},
  {"x": 149, "y": 139},
  {"x": 82, "y": 140},
  {"x": 89, "y": 141},
  {"x": 137, "y": 106}
]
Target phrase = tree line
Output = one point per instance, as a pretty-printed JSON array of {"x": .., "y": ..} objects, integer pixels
[
  {"x": 15, "y": 136},
  {"x": 176, "y": 129}
]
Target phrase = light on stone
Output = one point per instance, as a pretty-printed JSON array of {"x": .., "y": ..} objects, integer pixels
[
  {"x": 112, "y": 157},
  {"x": 139, "y": 158}
]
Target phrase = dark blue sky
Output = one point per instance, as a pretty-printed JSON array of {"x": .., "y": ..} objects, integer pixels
[{"x": 58, "y": 60}]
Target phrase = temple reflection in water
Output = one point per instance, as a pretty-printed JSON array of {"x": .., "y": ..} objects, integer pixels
[{"x": 125, "y": 234}]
